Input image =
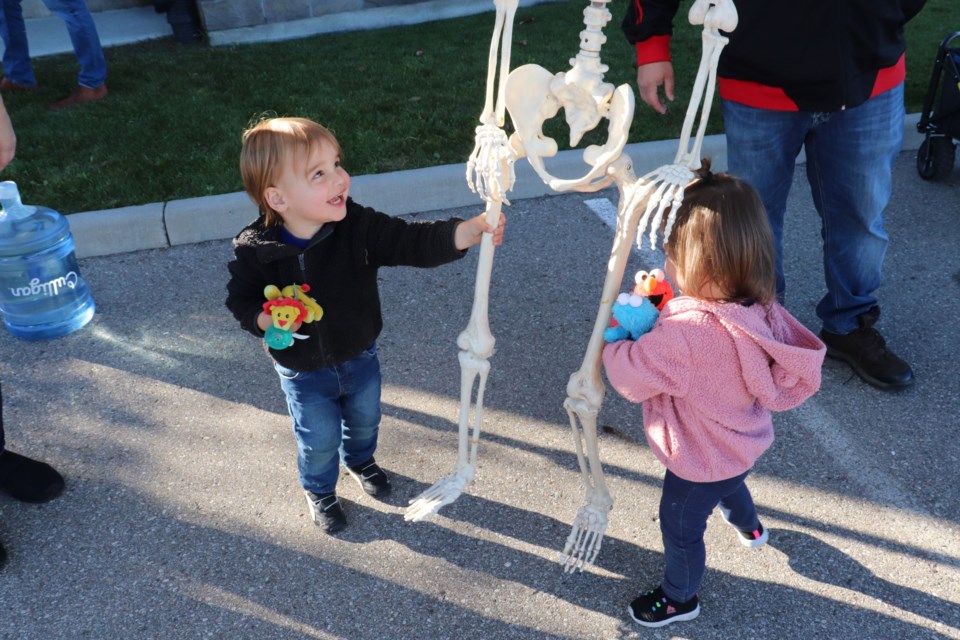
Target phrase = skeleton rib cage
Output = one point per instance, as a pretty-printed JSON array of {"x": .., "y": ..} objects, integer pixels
[{"x": 532, "y": 95}]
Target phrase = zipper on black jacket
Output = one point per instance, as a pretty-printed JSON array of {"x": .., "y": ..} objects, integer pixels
[
  {"x": 303, "y": 279},
  {"x": 845, "y": 68}
]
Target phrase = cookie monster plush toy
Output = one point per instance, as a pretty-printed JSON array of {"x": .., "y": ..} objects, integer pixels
[
  {"x": 633, "y": 316},
  {"x": 635, "y": 313}
]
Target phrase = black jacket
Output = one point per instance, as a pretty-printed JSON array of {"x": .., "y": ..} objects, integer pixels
[
  {"x": 340, "y": 264},
  {"x": 807, "y": 55}
]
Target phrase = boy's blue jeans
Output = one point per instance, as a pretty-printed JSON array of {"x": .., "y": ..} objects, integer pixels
[
  {"x": 684, "y": 509},
  {"x": 850, "y": 155},
  {"x": 83, "y": 36},
  {"x": 336, "y": 415}
]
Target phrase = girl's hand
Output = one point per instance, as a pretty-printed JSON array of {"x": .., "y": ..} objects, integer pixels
[{"x": 470, "y": 232}]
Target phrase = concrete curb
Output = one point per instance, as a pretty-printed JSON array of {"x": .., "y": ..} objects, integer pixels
[
  {"x": 363, "y": 20},
  {"x": 160, "y": 225}
]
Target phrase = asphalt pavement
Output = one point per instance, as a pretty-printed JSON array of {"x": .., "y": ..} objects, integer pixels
[{"x": 183, "y": 517}]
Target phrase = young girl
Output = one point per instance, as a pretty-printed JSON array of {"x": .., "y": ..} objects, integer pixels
[
  {"x": 312, "y": 236},
  {"x": 720, "y": 358}
]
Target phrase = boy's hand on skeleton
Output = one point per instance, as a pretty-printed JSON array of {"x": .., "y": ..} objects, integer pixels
[{"x": 470, "y": 232}]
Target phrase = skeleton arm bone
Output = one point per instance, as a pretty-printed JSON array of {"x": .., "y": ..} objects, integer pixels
[
  {"x": 490, "y": 167},
  {"x": 503, "y": 28},
  {"x": 714, "y": 15}
]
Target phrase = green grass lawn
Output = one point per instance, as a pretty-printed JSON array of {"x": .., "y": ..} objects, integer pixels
[{"x": 399, "y": 98}]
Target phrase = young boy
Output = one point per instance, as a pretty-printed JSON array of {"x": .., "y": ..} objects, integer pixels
[{"x": 311, "y": 235}]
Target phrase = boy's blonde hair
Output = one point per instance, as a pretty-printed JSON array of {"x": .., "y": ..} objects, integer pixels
[
  {"x": 268, "y": 147},
  {"x": 721, "y": 236}
]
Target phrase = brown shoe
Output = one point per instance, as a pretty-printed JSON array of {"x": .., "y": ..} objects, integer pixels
[
  {"x": 80, "y": 95},
  {"x": 6, "y": 84}
]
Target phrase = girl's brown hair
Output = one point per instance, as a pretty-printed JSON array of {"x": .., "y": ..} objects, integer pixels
[
  {"x": 721, "y": 236},
  {"x": 268, "y": 147}
]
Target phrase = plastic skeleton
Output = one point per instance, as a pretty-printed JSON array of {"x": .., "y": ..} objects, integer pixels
[
  {"x": 490, "y": 174},
  {"x": 533, "y": 95}
]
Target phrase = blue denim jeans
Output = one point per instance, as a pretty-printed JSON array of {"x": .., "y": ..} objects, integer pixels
[
  {"x": 336, "y": 416},
  {"x": 850, "y": 155},
  {"x": 83, "y": 35},
  {"x": 2, "y": 441},
  {"x": 684, "y": 509}
]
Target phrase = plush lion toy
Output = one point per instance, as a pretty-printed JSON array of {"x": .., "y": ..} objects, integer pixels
[
  {"x": 297, "y": 292},
  {"x": 288, "y": 306}
]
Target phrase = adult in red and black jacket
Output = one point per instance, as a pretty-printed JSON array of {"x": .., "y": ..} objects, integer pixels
[{"x": 826, "y": 77}]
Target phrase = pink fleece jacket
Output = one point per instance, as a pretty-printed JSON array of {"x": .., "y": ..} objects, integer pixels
[{"x": 708, "y": 375}]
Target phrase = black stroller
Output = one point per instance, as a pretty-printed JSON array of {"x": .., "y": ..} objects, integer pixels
[{"x": 941, "y": 124}]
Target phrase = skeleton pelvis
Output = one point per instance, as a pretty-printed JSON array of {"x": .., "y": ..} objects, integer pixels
[{"x": 534, "y": 95}]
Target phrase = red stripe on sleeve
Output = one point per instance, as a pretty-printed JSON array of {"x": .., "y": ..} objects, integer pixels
[{"x": 653, "y": 49}]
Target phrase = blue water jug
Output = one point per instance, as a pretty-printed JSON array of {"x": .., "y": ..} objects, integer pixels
[{"x": 42, "y": 294}]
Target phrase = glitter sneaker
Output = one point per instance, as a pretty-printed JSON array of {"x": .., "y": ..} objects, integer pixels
[{"x": 655, "y": 609}]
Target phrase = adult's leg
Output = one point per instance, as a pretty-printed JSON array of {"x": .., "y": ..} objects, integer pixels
[
  {"x": 313, "y": 398},
  {"x": 850, "y": 157},
  {"x": 360, "y": 406},
  {"x": 2, "y": 438},
  {"x": 25, "y": 479},
  {"x": 762, "y": 148},
  {"x": 86, "y": 41},
  {"x": 16, "y": 52}
]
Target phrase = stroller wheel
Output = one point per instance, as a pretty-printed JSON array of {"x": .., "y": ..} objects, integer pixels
[{"x": 935, "y": 158}]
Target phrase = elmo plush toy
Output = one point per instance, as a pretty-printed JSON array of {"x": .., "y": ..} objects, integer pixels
[{"x": 635, "y": 314}]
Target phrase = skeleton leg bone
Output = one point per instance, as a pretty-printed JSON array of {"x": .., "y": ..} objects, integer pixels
[{"x": 476, "y": 344}]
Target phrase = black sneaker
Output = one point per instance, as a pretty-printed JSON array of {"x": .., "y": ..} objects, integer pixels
[
  {"x": 326, "y": 511},
  {"x": 756, "y": 538},
  {"x": 655, "y": 609},
  {"x": 371, "y": 479},
  {"x": 865, "y": 350},
  {"x": 28, "y": 480}
]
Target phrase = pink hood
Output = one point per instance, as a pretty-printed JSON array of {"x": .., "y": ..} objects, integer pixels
[{"x": 708, "y": 375}]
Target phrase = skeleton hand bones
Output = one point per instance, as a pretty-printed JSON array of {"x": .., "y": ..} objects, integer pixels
[{"x": 714, "y": 15}]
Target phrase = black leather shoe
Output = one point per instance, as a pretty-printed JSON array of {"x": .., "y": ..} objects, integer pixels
[
  {"x": 3, "y": 556},
  {"x": 865, "y": 350},
  {"x": 28, "y": 480}
]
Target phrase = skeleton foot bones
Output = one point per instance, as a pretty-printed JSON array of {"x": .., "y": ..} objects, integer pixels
[{"x": 446, "y": 490}]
